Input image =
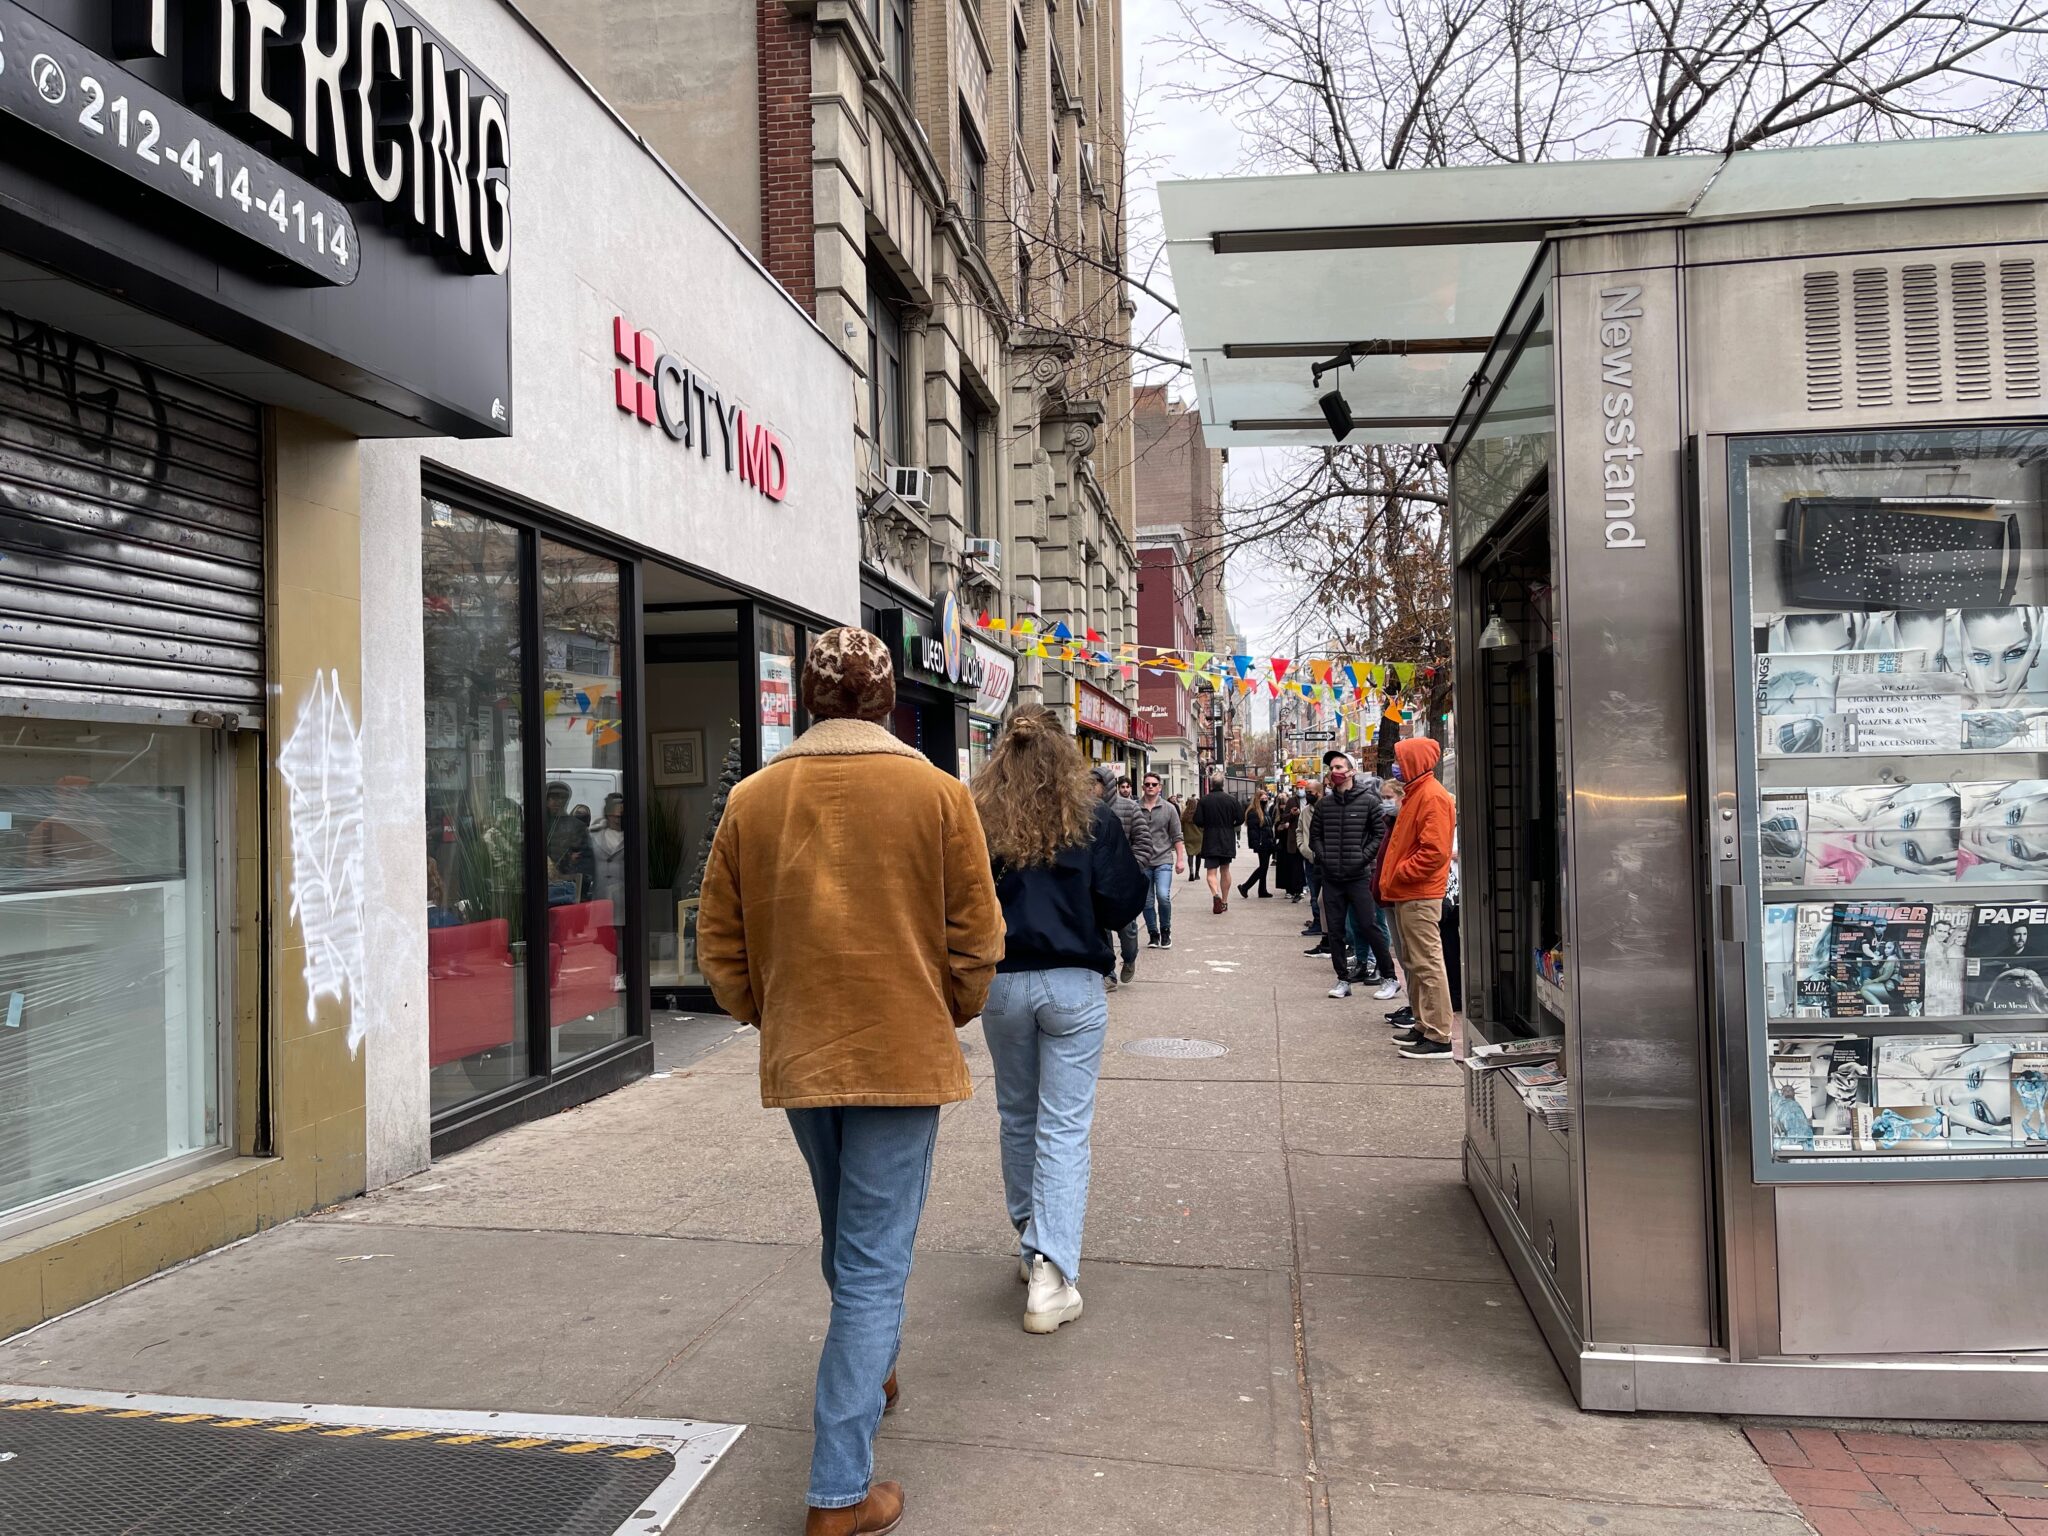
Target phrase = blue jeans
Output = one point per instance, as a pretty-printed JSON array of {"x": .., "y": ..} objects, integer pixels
[
  {"x": 1044, "y": 1031},
  {"x": 870, "y": 1169},
  {"x": 1159, "y": 901}
]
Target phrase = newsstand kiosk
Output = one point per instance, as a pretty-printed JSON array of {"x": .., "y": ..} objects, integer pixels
[{"x": 1750, "y": 521}]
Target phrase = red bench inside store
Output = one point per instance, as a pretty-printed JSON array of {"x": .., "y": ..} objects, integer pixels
[{"x": 471, "y": 981}]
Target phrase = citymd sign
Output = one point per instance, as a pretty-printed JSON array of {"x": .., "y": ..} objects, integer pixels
[{"x": 658, "y": 389}]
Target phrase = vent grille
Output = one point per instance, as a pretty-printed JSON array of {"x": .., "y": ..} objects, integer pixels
[
  {"x": 1970, "y": 303},
  {"x": 1970, "y": 331},
  {"x": 1920, "y": 295},
  {"x": 1823, "y": 341},
  {"x": 2019, "y": 318},
  {"x": 1873, "y": 314}
]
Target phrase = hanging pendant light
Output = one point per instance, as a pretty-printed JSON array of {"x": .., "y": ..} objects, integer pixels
[{"x": 1497, "y": 636}]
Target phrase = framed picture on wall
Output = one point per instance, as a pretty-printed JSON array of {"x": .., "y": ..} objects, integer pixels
[{"x": 678, "y": 758}]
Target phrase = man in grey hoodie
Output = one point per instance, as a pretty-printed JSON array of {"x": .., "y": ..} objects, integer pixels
[{"x": 1108, "y": 780}]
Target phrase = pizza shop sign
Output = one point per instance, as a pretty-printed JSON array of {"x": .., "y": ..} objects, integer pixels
[{"x": 659, "y": 390}]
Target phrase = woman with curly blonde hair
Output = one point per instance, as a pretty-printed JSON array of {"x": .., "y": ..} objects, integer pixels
[{"x": 1067, "y": 878}]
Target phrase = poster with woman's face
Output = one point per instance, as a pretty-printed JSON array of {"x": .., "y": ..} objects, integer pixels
[
  {"x": 2005, "y": 831},
  {"x": 1882, "y": 833}
]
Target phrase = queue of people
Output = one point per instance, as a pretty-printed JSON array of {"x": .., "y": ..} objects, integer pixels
[{"x": 1017, "y": 902}]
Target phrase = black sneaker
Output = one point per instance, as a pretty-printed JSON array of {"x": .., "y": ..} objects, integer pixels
[
  {"x": 1310, "y": 930},
  {"x": 1166, "y": 941},
  {"x": 1153, "y": 942},
  {"x": 1129, "y": 973},
  {"x": 1320, "y": 949},
  {"x": 1428, "y": 1050},
  {"x": 1410, "y": 1035},
  {"x": 1402, "y": 1016}
]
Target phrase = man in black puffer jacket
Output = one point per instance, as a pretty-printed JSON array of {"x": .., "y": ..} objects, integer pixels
[{"x": 1351, "y": 823}]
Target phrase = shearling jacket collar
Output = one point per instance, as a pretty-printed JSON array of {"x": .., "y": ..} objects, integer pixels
[{"x": 847, "y": 738}]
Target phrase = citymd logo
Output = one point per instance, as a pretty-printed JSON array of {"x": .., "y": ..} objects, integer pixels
[{"x": 655, "y": 387}]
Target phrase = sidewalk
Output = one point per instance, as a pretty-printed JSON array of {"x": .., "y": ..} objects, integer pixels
[{"x": 1296, "y": 1322}]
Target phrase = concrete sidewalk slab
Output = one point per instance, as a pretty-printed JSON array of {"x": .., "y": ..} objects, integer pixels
[
  {"x": 404, "y": 1317},
  {"x": 1182, "y": 1367},
  {"x": 971, "y": 1490},
  {"x": 1376, "y": 1119},
  {"x": 1363, "y": 1510},
  {"x": 1399, "y": 1217},
  {"x": 1386, "y": 1357},
  {"x": 1316, "y": 1047},
  {"x": 1154, "y": 1114}
]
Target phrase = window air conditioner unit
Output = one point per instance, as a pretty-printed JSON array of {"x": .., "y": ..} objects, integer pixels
[
  {"x": 913, "y": 487},
  {"x": 988, "y": 551}
]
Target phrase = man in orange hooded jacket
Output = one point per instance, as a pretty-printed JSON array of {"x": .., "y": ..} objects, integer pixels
[{"x": 1413, "y": 878}]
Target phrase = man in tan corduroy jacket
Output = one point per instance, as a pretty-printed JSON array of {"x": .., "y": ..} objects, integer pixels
[{"x": 849, "y": 913}]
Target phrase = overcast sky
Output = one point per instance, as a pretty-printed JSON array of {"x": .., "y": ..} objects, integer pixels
[{"x": 1178, "y": 140}]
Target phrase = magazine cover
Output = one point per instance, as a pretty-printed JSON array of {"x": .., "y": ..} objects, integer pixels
[
  {"x": 1795, "y": 706},
  {"x": 1996, "y": 651},
  {"x": 2005, "y": 966},
  {"x": 1781, "y": 836},
  {"x": 1883, "y": 833},
  {"x": 2005, "y": 730},
  {"x": 1809, "y": 633},
  {"x": 1781, "y": 921},
  {"x": 1879, "y": 957},
  {"x": 1940, "y": 1092},
  {"x": 2005, "y": 831},
  {"x": 2030, "y": 1098},
  {"x": 1948, "y": 930},
  {"x": 1821, "y": 1095},
  {"x": 1812, "y": 961}
]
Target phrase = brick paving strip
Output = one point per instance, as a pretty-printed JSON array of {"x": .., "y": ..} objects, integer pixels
[{"x": 1851, "y": 1484}]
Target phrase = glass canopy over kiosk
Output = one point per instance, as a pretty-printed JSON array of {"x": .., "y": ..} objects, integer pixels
[{"x": 1747, "y": 459}]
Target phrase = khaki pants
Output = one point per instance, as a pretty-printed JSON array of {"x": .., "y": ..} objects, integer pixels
[{"x": 1422, "y": 957}]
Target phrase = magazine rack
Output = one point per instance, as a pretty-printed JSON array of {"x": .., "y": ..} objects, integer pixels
[{"x": 1782, "y": 481}]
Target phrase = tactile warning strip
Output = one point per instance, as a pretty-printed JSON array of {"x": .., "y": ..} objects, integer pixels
[{"x": 83, "y": 1463}]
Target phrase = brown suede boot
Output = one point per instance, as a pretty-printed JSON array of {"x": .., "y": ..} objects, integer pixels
[
  {"x": 876, "y": 1515},
  {"x": 890, "y": 1394},
  {"x": 1216, "y": 906}
]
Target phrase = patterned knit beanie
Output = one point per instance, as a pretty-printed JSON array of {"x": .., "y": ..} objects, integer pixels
[{"x": 849, "y": 675}]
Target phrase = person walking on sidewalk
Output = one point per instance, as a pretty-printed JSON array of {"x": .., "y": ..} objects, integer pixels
[
  {"x": 1217, "y": 817},
  {"x": 1349, "y": 828},
  {"x": 849, "y": 914},
  {"x": 1413, "y": 879},
  {"x": 1110, "y": 785},
  {"x": 1258, "y": 833},
  {"x": 1158, "y": 843},
  {"x": 1287, "y": 859},
  {"x": 1067, "y": 878},
  {"x": 1313, "y": 928}
]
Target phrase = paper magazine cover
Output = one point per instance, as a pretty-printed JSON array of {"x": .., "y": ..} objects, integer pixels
[
  {"x": 1997, "y": 653},
  {"x": 1813, "y": 957},
  {"x": 2005, "y": 966},
  {"x": 1948, "y": 930},
  {"x": 1941, "y": 1092},
  {"x": 1781, "y": 921},
  {"x": 2005, "y": 831},
  {"x": 1821, "y": 1095},
  {"x": 2005, "y": 730},
  {"x": 1781, "y": 836},
  {"x": 1879, "y": 957},
  {"x": 1795, "y": 706},
  {"x": 1883, "y": 833},
  {"x": 2030, "y": 1098}
]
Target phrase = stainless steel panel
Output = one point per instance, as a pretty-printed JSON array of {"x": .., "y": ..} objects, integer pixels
[
  {"x": 1517, "y": 1177},
  {"x": 1636, "y": 887},
  {"x": 1869, "y": 340},
  {"x": 1912, "y": 1268},
  {"x": 1554, "y": 1223},
  {"x": 1482, "y": 1136},
  {"x": 1617, "y": 251},
  {"x": 1849, "y": 234},
  {"x": 131, "y": 532},
  {"x": 1533, "y": 1277},
  {"x": 1984, "y": 1390}
]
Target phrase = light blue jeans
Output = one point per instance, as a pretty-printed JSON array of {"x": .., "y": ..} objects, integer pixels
[
  {"x": 1044, "y": 1032},
  {"x": 870, "y": 1169},
  {"x": 1158, "y": 901}
]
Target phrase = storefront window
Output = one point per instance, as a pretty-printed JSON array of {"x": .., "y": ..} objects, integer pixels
[
  {"x": 475, "y": 830},
  {"x": 584, "y": 803},
  {"x": 777, "y": 672},
  {"x": 109, "y": 1020},
  {"x": 1897, "y": 767}
]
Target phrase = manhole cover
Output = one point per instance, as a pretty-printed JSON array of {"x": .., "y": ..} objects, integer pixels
[{"x": 1175, "y": 1050}]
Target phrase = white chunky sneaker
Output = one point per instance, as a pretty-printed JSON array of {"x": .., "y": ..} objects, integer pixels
[
  {"x": 1389, "y": 990},
  {"x": 1342, "y": 989},
  {"x": 1052, "y": 1299}
]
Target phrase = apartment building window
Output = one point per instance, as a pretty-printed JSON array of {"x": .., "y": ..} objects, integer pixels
[
  {"x": 1017, "y": 80},
  {"x": 972, "y": 424},
  {"x": 896, "y": 40},
  {"x": 973, "y": 178},
  {"x": 1023, "y": 276},
  {"x": 888, "y": 401}
]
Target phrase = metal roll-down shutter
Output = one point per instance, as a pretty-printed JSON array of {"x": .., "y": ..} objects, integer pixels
[{"x": 131, "y": 533}]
